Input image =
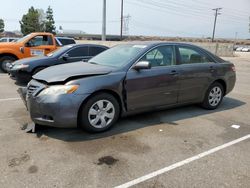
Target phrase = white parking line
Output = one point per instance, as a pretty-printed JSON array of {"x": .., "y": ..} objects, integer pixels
[
  {"x": 11, "y": 118},
  {"x": 181, "y": 163},
  {"x": 9, "y": 99}
]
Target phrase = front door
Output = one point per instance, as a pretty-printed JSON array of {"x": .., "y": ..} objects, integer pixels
[
  {"x": 157, "y": 86},
  {"x": 39, "y": 45}
]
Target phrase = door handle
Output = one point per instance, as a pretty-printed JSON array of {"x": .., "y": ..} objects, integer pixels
[
  {"x": 173, "y": 72},
  {"x": 211, "y": 68}
]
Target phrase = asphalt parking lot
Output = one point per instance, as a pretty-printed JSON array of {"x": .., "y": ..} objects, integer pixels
[{"x": 137, "y": 146}]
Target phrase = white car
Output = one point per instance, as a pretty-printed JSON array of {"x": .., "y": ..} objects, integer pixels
[
  {"x": 239, "y": 49},
  {"x": 8, "y": 39},
  {"x": 245, "y": 49}
]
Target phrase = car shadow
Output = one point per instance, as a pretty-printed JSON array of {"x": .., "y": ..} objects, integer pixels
[{"x": 131, "y": 123}]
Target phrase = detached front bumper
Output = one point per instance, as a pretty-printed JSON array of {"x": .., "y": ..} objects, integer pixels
[
  {"x": 56, "y": 110},
  {"x": 23, "y": 92},
  {"x": 53, "y": 110}
]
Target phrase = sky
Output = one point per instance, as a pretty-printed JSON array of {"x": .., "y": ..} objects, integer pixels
[{"x": 183, "y": 18}]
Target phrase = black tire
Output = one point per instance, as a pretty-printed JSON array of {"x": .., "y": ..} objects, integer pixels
[
  {"x": 4, "y": 60},
  {"x": 84, "y": 121},
  {"x": 38, "y": 70},
  {"x": 206, "y": 104}
]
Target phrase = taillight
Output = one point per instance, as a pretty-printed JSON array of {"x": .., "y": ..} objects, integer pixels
[{"x": 233, "y": 68}]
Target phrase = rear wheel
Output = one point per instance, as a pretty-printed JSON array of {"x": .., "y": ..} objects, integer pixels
[
  {"x": 99, "y": 113},
  {"x": 4, "y": 61},
  {"x": 213, "y": 96}
]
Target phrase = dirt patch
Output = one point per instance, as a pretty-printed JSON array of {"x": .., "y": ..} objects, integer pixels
[
  {"x": 17, "y": 161},
  {"x": 33, "y": 169},
  {"x": 108, "y": 160}
]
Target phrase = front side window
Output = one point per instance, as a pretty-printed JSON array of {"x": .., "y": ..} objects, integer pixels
[
  {"x": 161, "y": 56},
  {"x": 40, "y": 41},
  {"x": 191, "y": 56},
  {"x": 78, "y": 52}
]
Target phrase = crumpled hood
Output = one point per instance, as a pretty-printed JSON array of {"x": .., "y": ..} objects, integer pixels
[{"x": 61, "y": 73}]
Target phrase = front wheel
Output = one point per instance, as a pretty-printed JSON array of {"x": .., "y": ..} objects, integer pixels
[
  {"x": 4, "y": 61},
  {"x": 99, "y": 113},
  {"x": 214, "y": 96}
]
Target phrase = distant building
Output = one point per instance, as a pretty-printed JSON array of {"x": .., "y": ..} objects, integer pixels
[
  {"x": 11, "y": 34},
  {"x": 70, "y": 32}
]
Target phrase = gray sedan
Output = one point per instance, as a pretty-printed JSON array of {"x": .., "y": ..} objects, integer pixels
[{"x": 128, "y": 79}]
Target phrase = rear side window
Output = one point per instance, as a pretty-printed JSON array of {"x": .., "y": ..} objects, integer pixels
[
  {"x": 191, "y": 56},
  {"x": 66, "y": 41},
  {"x": 79, "y": 52},
  {"x": 93, "y": 51}
]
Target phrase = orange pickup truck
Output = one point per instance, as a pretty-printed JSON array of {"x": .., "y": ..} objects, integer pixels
[{"x": 34, "y": 44}]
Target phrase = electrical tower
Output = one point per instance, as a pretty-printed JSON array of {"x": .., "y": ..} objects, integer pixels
[
  {"x": 217, "y": 12},
  {"x": 125, "y": 27}
]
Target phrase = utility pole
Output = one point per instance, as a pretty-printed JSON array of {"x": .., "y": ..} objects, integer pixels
[
  {"x": 104, "y": 21},
  {"x": 121, "y": 19},
  {"x": 215, "y": 20},
  {"x": 235, "y": 38}
]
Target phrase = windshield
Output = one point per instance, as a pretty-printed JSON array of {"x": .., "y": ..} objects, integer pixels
[
  {"x": 59, "y": 51},
  {"x": 24, "y": 38},
  {"x": 117, "y": 56}
]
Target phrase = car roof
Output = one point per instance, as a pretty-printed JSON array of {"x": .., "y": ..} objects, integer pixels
[
  {"x": 93, "y": 45},
  {"x": 64, "y": 38}
]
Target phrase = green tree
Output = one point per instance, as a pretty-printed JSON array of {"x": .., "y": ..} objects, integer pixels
[
  {"x": 31, "y": 22},
  {"x": 49, "y": 22},
  {"x": 1, "y": 25}
]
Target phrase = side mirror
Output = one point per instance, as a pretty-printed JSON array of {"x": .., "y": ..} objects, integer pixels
[
  {"x": 65, "y": 57},
  {"x": 142, "y": 65}
]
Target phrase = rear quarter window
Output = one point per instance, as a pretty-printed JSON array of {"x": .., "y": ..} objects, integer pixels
[
  {"x": 93, "y": 51},
  {"x": 66, "y": 41}
]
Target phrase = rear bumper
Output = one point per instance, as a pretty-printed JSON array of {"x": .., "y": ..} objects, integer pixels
[
  {"x": 231, "y": 80},
  {"x": 55, "y": 111}
]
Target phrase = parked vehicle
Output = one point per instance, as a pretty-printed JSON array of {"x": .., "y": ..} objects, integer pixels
[
  {"x": 62, "y": 41},
  {"x": 23, "y": 69},
  {"x": 127, "y": 79},
  {"x": 8, "y": 39},
  {"x": 34, "y": 44},
  {"x": 245, "y": 49},
  {"x": 239, "y": 49}
]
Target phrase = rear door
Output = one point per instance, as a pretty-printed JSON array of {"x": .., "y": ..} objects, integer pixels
[
  {"x": 197, "y": 70},
  {"x": 157, "y": 86}
]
